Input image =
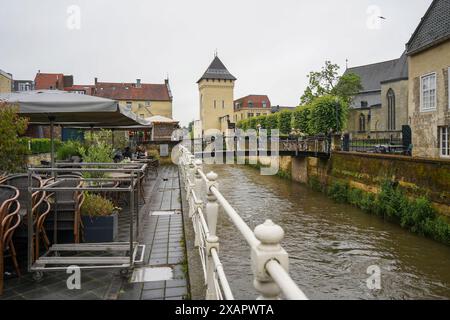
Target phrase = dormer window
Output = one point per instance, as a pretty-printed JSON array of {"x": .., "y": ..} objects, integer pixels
[
  {"x": 264, "y": 104},
  {"x": 250, "y": 104}
]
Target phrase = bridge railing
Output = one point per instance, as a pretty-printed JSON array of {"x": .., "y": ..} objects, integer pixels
[{"x": 268, "y": 259}]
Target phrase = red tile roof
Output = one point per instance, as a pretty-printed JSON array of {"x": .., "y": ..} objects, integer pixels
[
  {"x": 49, "y": 81},
  {"x": 257, "y": 101},
  {"x": 130, "y": 91}
]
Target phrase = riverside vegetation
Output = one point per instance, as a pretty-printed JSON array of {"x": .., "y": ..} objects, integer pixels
[{"x": 391, "y": 203}]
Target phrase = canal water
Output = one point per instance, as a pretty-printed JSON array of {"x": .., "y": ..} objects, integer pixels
[{"x": 330, "y": 245}]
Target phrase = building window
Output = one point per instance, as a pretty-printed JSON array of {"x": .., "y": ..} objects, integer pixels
[
  {"x": 214, "y": 104},
  {"x": 223, "y": 104},
  {"x": 24, "y": 86},
  {"x": 147, "y": 103},
  {"x": 129, "y": 104},
  {"x": 362, "y": 123},
  {"x": 258, "y": 114},
  {"x": 444, "y": 134},
  {"x": 391, "y": 109},
  {"x": 250, "y": 104},
  {"x": 249, "y": 115},
  {"x": 428, "y": 92},
  {"x": 264, "y": 104},
  {"x": 364, "y": 104},
  {"x": 242, "y": 116}
]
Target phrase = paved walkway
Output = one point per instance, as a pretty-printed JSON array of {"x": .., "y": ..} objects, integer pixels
[{"x": 163, "y": 234}]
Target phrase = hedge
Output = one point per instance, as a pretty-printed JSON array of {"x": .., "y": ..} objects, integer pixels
[
  {"x": 40, "y": 145},
  {"x": 324, "y": 114}
]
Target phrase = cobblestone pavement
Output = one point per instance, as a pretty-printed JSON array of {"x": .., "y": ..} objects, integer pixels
[{"x": 163, "y": 236}]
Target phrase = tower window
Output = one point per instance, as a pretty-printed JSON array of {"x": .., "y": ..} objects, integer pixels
[
  {"x": 223, "y": 104},
  {"x": 214, "y": 104}
]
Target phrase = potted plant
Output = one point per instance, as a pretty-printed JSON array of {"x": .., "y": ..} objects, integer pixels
[{"x": 100, "y": 219}]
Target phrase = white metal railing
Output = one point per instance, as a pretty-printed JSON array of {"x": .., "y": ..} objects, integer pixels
[{"x": 269, "y": 260}]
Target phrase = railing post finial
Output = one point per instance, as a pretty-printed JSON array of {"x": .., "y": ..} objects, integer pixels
[{"x": 270, "y": 236}]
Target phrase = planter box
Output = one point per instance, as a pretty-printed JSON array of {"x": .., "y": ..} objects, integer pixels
[{"x": 100, "y": 229}]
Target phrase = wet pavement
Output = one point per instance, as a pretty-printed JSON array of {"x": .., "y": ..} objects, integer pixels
[{"x": 163, "y": 234}]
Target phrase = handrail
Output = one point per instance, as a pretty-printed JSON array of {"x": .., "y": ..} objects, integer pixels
[
  {"x": 289, "y": 288},
  {"x": 236, "y": 218},
  {"x": 269, "y": 259}
]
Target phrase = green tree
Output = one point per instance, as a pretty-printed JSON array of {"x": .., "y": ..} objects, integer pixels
[
  {"x": 328, "y": 114},
  {"x": 285, "y": 122},
  {"x": 12, "y": 151},
  {"x": 327, "y": 82},
  {"x": 347, "y": 87},
  {"x": 301, "y": 119}
]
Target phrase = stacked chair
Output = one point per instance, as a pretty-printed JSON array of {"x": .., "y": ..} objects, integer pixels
[
  {"x": 69, "y": 208},
  {"x": 9, "y": 221}
]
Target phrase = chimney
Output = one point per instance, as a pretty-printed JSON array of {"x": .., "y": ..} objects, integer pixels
[
  {"x": 138, "y": 83},
  {"x": 166, "y": 81},
  {"x": 95, "y": 80}
]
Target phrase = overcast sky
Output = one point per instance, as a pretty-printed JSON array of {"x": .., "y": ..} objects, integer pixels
[{"x": 269, "y": 46}]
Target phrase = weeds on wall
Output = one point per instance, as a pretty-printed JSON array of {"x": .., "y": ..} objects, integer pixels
[{"x": 392, "y": 204}]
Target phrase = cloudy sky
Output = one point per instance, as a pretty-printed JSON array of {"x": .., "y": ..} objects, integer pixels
[{"x": 270, "y": 46}]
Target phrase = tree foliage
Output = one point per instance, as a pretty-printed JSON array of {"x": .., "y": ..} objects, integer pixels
[
  {"x": 328, "y": 114},
  {"x": 301, "y": 119},
  {"x": 327, "y": 82},
  {"x": 12, "y": 151},
  {"x": 285, "y": 122}
]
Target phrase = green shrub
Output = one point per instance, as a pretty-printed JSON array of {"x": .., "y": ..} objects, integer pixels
[
  {"x": 417, "y": 215},
  {"x": 12, "y": 150},
  {"x": 338, "y": 191},
  {"x": 95, "y": 205},
  {"x": 285, "y": 122},
  {"x": 315, "y": 184},
  {"x": 301, "y": 119},
  {"x": 328, "y": 114},
  {"x": 68, "y": 149}
]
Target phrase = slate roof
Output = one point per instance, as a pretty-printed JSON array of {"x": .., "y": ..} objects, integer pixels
[
  {"x": 433, "y": 29},
  {"x": 373, "y": 75},
  {"x": 130, "y": 91},
  {"x": 217, "y": 70}
]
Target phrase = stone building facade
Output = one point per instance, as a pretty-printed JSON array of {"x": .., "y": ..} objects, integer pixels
[
  {"x": 380, "y": 110},
  {"x": 5, "y": 82},
  {"x": 429, "y": 98},
  {"x": 216, "y": 90}
]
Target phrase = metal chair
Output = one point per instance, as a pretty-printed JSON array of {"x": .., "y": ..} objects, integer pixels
[
  {"x": 39, "y": 209},
  {"x": 68, "y": 201},
  {"x": 8, "y": 195}
]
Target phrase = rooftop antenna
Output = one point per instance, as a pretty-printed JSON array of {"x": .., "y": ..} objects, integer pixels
[
  {"x": 215, "y": 53},
  {"x": 346, "y": 63}
]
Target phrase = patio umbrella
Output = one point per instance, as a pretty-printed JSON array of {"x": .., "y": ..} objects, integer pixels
[{"x": 43, "y": 107}]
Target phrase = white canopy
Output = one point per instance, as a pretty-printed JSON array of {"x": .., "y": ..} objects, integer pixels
[{"x": 65, "y": 108}]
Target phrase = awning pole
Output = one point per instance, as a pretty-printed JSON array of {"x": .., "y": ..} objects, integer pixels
[{"x": 52, "y": 142}]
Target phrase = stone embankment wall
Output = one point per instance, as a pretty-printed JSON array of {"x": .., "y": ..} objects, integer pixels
[{"x": 416, "y": 176}]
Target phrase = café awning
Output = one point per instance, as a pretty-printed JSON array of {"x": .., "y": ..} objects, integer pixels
[{"x": 66, "y": 108}]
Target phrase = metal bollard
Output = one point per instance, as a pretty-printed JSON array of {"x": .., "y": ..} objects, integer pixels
[
  {"x": 270, "y": 236},
  {"x": 212, "y": 241}
]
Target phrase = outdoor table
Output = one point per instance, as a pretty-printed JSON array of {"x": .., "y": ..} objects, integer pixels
[{"x": 120, "y": 175}]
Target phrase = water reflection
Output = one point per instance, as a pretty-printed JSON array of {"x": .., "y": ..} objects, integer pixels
[{"x": 330, "y": 245}]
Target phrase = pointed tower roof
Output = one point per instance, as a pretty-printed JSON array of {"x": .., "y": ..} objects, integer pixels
[{"x": 217, "y": 70}]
